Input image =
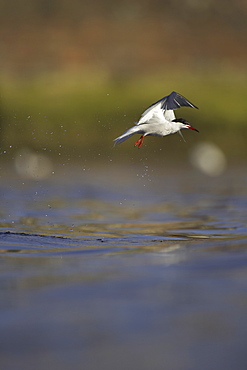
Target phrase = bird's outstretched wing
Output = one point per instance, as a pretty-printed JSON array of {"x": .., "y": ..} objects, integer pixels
[
  {"x": 164, "y": 107},
  {"x": 174, "y": 101}
]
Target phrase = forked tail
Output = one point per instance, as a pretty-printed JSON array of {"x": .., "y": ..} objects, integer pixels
[{"x": 133, "y": 130}]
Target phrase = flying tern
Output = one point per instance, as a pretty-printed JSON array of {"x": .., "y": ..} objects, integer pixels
[{"x": 159, "y": 119}]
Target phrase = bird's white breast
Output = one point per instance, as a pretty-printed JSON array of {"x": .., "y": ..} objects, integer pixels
[{"x": 159, "y": 129}]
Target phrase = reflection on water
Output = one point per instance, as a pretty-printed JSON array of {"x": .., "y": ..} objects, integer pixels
[{"x": 124, "y": 268}]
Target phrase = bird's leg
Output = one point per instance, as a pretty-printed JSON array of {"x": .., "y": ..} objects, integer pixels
[{"x": 140, "y": 142}]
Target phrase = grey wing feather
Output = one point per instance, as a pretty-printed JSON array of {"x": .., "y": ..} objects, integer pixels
[
  {"x": 167, "y": 105},
  {"x": 173, "y": 101}
]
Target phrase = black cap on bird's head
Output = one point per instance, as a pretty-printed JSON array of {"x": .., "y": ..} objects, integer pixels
[{"x": 186, "y": 123}]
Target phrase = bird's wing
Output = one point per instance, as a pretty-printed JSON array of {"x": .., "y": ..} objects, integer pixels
[
  {"x": 154, "y": 112},
  {"x": 175, "y": 101},
  {"x": 169, "y": 115},
  {"x": 164, "y": 107}
]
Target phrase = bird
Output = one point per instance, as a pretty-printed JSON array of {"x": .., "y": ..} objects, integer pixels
[{"x": 159, "y": 120}]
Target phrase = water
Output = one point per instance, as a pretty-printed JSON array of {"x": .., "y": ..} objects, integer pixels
[{"x": 116, "y": 268}]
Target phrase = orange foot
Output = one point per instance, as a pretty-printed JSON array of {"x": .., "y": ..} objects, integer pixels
[{"x": 140, "y": 142}]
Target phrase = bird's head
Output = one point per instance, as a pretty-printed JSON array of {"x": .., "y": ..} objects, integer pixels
[{"x": 184, "y": 123}]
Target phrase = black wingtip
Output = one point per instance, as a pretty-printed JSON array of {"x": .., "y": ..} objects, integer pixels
[{"x": 181, "y": 101}]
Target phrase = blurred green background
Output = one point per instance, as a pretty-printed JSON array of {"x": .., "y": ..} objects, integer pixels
[{"x": 76, "y": 74}]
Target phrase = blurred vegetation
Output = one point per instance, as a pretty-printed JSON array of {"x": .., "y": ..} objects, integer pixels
[{"x": 76, "y": 74}]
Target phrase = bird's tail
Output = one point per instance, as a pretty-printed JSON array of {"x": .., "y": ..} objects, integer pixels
[{"x": 133, "y": 130}]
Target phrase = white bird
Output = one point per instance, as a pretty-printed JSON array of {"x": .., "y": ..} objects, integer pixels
[{"x": 159, "y": 119}]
